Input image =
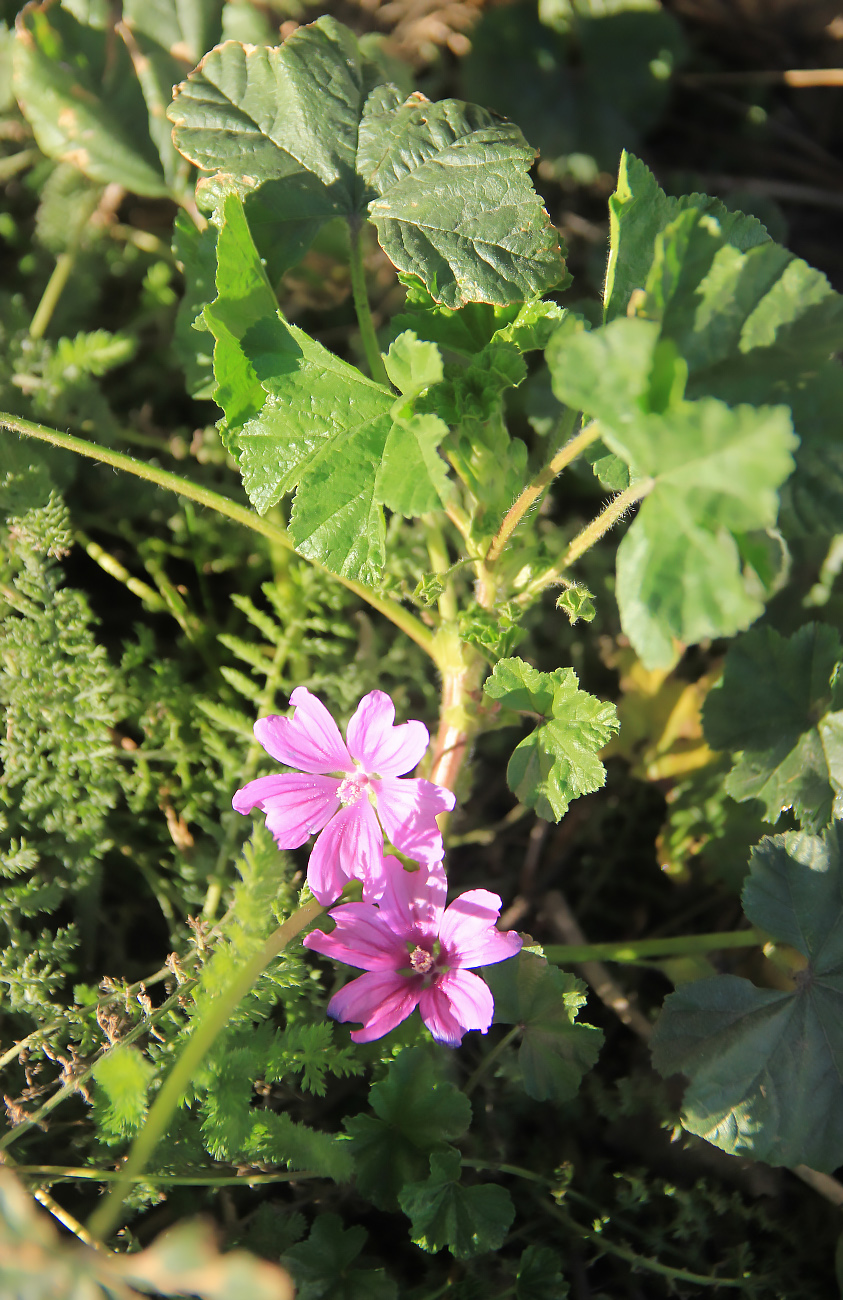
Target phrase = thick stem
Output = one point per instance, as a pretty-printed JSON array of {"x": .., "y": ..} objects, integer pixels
[
  {"x": 462, "y": 671},
  {"x": 564, "y": 954},
  {"x": 107, "y": 1214},
  {"x": 390, "y": 609},
  {"x": 534, "y": 490},
  {"x": 361, "y": 305},
  {"x": 592, "y": 533}
]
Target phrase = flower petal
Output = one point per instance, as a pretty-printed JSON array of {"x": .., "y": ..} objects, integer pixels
[
  {"x": 468, "y": 933},
  {"x": 377, "y": 744},
  {"x": 361, "y": 938},
  {"x": 380, "y": 1000},
  {"x": 407, "y": 810},
  {"x": 456, "y": 1002},
  {"x": 310, "y": 740},
  {"x": 411, "y": 902},
  {"x": 349, "y": 848},
  {"x": 296, "y": 805}
]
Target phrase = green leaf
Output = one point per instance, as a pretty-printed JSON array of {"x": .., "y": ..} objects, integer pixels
[
  {"x": 558, "y": 761},
  {"x": 124, "y": 1075},
  {"x": 415, "y": 1114},
  {"x": 413, "y": 364},
  {"x": 195, "y": 252},
  {"x": 778, "y": 710},
  {"x": 555, "y": 1052},
  {"x": 323, "y": 1266},
  {"x": 445, "y": 184},
  {"x": 413, "y": 477},
  {"x": 540, "y": 1275},
  {"x": 578, "y": 603},
  {"x": 766, "y": 1066},
  {"x": 77, "y": 89},
  {"x": 468, "y": 1220},
  {"x": 638, "y": 211}
]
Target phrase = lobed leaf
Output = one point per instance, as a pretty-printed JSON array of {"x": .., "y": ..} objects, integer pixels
[
  {"x": 324, "y": 1265},
  {"x": 468, "y": 1220}
]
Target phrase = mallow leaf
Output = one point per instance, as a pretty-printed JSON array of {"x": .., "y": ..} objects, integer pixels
[
  {"x": 195, "y": 252},
  {"x": 558, "y": 761},
  {"x": 468, "y": 1220},
  {"x": 415, "y": 1113},
  {"x": 540, "y": 1275},
  {"x": 555, "y": 1052},
  {"x": 765, "y": 1066},
  {"x": 445, "y": 185},
  {"x": 324, "y": 1266},
  {"x": 715, "y": 474},
  {"x": 779, "y": 710}
]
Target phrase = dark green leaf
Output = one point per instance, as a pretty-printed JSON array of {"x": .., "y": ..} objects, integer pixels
[
  {"x": 468, "y": 1220},
  {"x": 778, "y": 711},
  {"x": 472, "y": 233},
  {"x": 415, "y": 1114},
  {"x": 195, "y": 253},
  {"x": 555, "y": 1052},
  {"x": 323, "y": 1266},
  {"x": 766, "y": 1066},
  {"x": 540, "y": 1276},
  {"x": 558, "y": 761}
]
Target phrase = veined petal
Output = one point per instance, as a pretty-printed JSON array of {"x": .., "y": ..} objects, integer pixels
[
  {"x": 296, "y": 805},
  {"x": 468, "y": 933},
  {"x": 407, "y": 810},
  {"x": 310, "y": 740},
  {"x": 457, "y": 998},
  {"x": 349, "y": 848},
  {"x": 412, "y": 901},
  {"x": 379, "y": 1000},
  {"x": 361, "y": 938},
  {"x": 378, "y": 745}
]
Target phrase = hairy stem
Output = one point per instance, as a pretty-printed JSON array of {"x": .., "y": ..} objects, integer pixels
[
  {"x": 361, "y": 305},
  {"x": 534, "y": 490},
  {"x": 592, "y": 533},
  {"x": 107, "y": 1214},
  {"x": 564, "y": 954},
  {"x": 390, "y": 609}
]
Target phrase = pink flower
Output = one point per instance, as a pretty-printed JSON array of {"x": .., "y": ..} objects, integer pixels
[
  {"x": 348, "y": 790},
  {"x": 416, "y": 953}
]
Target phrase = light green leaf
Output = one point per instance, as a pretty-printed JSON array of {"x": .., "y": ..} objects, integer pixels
[
  {"x": 124, "y": 1074},
  {"x": 558, "y": 762},
  {"x": 468, "y": 1220},
  {"x": 766, "y": 1066},
  {"x": 413, "y": 364},
  {"x": 415, "y": 1114},
  {"x": 578, "y": 603},
  {"x": 59, "y": 79},
  {"x": 413, "y": 477},
  {"x": 778, "y": 710},
  {"x": 470, "y": 232},
  {"x": 324, "y": 1266},
  {"x": 533, "y": 326},
  {"x": 555, "y": 1052}
]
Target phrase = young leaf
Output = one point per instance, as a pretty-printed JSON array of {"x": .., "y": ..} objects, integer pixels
[
  {"x": 554, "y": 1053},
  {"x": 765, "y": 1065},
  {"x": 415, "y": 1115},
  {"x": 323, "y": 1266},
  {"x": 413, "y": 364},
  {"x": 779, "y": 709},
  {"x": 78, "y": 115},
  {"x": 124, "y": 1074},
  {"x": 445, "y": 184},
  {"x": 558, "y": 761},
  {"x": 468, "y": 1220}
]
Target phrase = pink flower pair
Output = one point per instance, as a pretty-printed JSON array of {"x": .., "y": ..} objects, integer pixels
[{"x": 414, "y": 951}]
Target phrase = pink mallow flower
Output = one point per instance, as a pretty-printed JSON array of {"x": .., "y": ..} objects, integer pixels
[
  {"x": 348, "y": 790},
  {"x": 416, "y": 953}
]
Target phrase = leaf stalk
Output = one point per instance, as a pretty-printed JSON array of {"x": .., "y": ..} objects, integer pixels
[
  {"x": 368, "y": 336},
  {"x": 566, "y": 954}
]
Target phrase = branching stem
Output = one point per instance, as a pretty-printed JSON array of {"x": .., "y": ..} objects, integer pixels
[
  {"x": 361, "y": 305},
  {"x": 107, "y": 1214},
  {"x": 390, "y": 609}
]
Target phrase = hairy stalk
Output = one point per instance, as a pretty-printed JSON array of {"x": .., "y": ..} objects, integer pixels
[
  {"x": 462, "y": 671},
  {"x": 107, "y": 1214},
  {"x": 564, "y": 954},
  {"x": 440, "y": 562},
  {"x": 534, "y": 490},
  {"x": 591, "y": 534},
  {"x": 390, "y": 609},
  {"x": 368, "y": 336}
]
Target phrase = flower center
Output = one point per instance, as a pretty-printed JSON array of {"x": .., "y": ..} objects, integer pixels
[
  {"x": 421, "y": 961},
  {"x": 353, "y": 788}
]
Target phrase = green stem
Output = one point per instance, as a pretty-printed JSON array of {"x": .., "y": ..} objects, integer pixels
[
  {"x": 107, "y": 1214},
  {"x": 489, "y": 1059},
  {"x": 534, "y": 490},
  {"x": 16, "y": 162},
  {"x": 440, "y": 562},
  {"x": 564, "y": 954},
  {"x": 592, "y": 533},
  {"x": 361, "y": 305},
  {"x": 116, "y": 570},
  {"x": 408, "y": 623},
  {"x": 67, "y": 1174},
  {"x": 52, "y": 293}
]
